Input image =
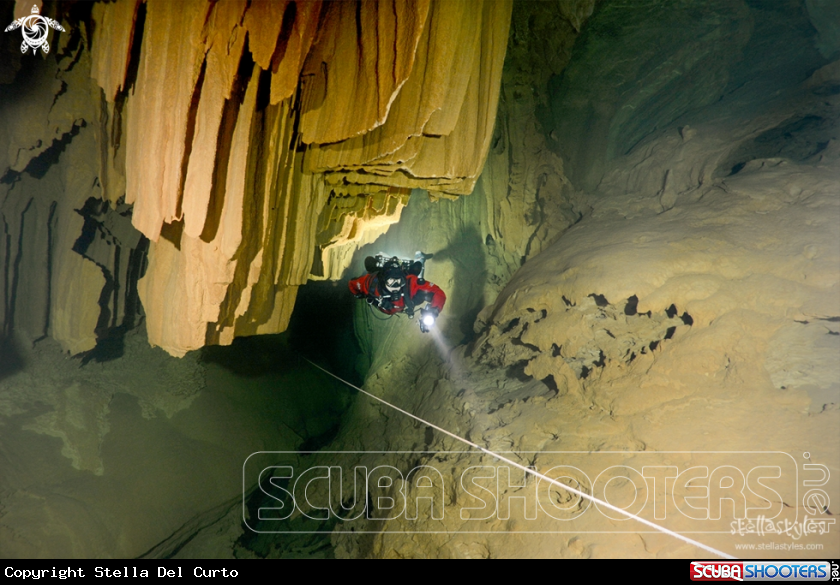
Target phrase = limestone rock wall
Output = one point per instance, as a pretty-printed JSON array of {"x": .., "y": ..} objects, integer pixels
[
  {"x": 69, "y": 265},
  {"x": 708, "y": 324},
  {"x": 521, "y": 203},
  {"x": 257, "y": 144},
  {"x": 693, "y": 306},
  {"x": 257, "y": 135}
]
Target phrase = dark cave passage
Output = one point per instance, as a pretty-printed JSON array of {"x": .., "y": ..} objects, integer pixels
[{"x": 321, "y": 330}]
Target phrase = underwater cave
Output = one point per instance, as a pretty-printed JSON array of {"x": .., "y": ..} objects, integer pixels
[{"x": 632, "y": 210}]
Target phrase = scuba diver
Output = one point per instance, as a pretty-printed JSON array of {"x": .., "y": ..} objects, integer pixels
[{"x": 396, "y": 286}]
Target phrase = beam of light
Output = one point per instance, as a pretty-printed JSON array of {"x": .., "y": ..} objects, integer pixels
[{"x": 446, "y": 353}]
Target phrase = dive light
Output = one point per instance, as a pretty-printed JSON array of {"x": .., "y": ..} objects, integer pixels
[{"x": 427, "y": 319}]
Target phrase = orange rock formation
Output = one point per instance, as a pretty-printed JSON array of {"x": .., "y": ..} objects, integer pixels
[{"x": 256, "y": 136}]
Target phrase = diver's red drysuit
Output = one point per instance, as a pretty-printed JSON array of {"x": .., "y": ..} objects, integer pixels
[{"x": 418, "y": 292}]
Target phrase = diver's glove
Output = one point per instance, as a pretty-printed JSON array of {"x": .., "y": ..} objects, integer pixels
[{"x": 385, "y": 304}]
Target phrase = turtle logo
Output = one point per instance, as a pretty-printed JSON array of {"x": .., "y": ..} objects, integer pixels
[{"x": 35, "y": 29}]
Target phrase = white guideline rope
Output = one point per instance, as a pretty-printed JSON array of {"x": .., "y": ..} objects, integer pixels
[{"x": 535, "y": 473}]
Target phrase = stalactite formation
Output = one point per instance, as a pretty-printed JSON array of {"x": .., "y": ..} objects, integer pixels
[
  {"x": 258, "y": 134},
  {"x": 253, "y": 140}
]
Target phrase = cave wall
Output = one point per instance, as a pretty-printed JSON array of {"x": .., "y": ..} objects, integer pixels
[
  {"x": 521, "y": 203},
  {"x": 686, "y": 302},
  {"x": 253, "y": 140},
  {"x": 633, "y": 75},
  {"x": 70, "y": 265},
  {"x": 297, "y": 149}
]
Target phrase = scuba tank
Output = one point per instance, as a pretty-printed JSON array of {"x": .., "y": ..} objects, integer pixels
[
  {"x": 381, "y": 261},
  {"x": 393, "y": 267}
]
